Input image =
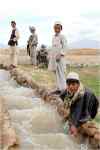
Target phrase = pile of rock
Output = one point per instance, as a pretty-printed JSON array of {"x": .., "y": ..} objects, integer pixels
[{"x": 88, "y": 129}]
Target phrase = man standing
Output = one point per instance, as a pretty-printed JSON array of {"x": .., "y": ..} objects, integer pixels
[
  {"x": 32, "y": 45},
  {"x": 56, "y": 62},
  {"x": 13, "y": 42}
]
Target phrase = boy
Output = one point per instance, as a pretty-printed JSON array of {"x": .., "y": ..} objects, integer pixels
[{"x": 56, "y": 62}]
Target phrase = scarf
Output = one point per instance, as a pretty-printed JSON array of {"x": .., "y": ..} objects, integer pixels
[{"x": 70, "y": 98}]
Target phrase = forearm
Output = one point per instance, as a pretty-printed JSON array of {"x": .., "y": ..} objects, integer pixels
[
  {"x": 75, "y": 115},
  {"x": 17, "y": 35}
]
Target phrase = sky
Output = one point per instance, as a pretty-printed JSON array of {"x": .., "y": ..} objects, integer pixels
[{"x": 80, "y": 19}]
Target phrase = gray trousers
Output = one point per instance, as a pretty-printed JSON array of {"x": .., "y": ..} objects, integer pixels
[
  {"x": 13, "y": 55},
  {"x": 58, "y": 67},
  {"x": 60, "y": 76},
  {"x": 33, "y": 55}
]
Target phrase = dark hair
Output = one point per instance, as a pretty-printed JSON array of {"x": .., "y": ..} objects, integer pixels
[
  {"x": 13, "y": 22},
  {"x": 69, "y": 81},
  {"x": 59, "y": 25}
]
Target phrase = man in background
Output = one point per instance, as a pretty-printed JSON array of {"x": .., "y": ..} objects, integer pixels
[
  {"x": 42, "y": 56},
  {"x": 32, "y": 45},
  {"x": 13, "y": 42}
]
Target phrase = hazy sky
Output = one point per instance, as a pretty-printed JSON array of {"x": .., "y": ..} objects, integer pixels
[{"x": 80, "y": 19}]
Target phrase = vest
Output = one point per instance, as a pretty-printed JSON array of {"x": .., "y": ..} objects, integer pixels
[{"x": 11, "y": 42}]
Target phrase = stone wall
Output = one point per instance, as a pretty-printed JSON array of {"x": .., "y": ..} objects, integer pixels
[
  {"x": 79, "y": 56},
  {"x": 23, "y": 58}
]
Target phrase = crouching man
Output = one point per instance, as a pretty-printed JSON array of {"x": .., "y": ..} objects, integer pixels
[
  {"x": 81, "y": 103},
  {"x": 42, "y": 56}
]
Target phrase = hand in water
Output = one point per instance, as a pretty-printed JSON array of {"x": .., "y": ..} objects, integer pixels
[{"x": 73, "y": 130}]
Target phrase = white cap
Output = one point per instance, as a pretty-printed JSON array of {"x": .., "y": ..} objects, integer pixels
[
  {"x": 58, "y": 22},
  {"x": 73, "y": 75},
  {"x": 31, "y": 28}
]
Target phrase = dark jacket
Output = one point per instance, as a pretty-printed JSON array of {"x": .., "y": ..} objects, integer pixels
[
  {"x": 83, "y": 109},
  {"x": 11, "y": 42}
]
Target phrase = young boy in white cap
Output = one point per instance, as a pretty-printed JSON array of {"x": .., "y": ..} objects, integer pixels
[
  {"x": 32, "y": 45},
  {"x": 80, "y": 101},
  {"x": 56, "y": 62}
]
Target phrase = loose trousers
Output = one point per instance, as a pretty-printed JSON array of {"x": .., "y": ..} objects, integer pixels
[
  {"x": 33, "y": 54},
  {"x": 13, "y": 55},
  {"x": 60, "y": 76},
  {"x": 58, "y": 68}
]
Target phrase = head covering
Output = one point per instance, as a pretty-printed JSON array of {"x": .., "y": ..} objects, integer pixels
[
  {"x": 13, "y": 22},
  {"x": 73, "y": 76},
  {"x": 32, "y": 29},
  {"x": 43, "y": 46},
  {"x": 58, "y": 23}
]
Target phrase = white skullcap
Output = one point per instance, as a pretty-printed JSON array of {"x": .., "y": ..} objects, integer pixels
[
  {"x": 73, "y": 75},
  {"x": 58, "y": 22},
  {"x": 31, "y": 28}
]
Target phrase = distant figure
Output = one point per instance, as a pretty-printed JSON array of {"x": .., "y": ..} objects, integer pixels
[
  {"x": 56, "y": 62},
  {"x": 42, "y": 56},
  {"x": 32, "y": 45},
  {"x": 13, "y": 42}
]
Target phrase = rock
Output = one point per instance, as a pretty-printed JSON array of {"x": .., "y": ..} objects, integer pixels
[
  {"x": 97, "y": 136},
  {"x": 8, "y": 135}
]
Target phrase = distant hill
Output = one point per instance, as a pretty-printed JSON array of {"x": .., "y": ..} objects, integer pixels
[
  {"x": 2, "y": 45},
  {"x": 83, "y": 51},
  {"x": 85, "y": 43}
]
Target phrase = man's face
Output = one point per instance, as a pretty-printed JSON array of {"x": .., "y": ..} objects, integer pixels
[
  {"x": 13, "y": 25},
  {"x": 57, "y": 28},
  {"x": 73, "y": 87}
]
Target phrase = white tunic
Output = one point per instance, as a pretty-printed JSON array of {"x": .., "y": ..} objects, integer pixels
[
  {"x": 59, "y": 41},
  {"x": 17, "y": 34},
  {"x": 59, "y": 45},
  {"x": 13, "y": 50}
]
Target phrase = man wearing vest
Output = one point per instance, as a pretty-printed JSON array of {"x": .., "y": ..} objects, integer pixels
[{"x": 13, "y": 42}]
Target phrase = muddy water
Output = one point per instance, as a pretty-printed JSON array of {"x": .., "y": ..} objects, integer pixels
[{"x": 37, "y": 124}]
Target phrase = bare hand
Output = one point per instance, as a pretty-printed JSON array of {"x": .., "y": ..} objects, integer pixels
[{"x": 73, "y": 130}]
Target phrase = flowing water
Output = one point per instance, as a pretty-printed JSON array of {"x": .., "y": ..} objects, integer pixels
[{"x": 38, "y": 125}]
